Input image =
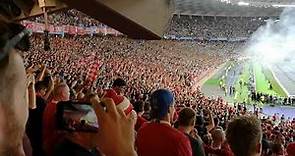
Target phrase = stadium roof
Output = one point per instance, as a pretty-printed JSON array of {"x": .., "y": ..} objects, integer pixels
[{"x": 237, "y": 8}]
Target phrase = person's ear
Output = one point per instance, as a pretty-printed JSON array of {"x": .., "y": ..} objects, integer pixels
[
  {"x": 193, "y": 123},
  {"x": 258, "y": 148},
  {"x": 169, "y": 109}
]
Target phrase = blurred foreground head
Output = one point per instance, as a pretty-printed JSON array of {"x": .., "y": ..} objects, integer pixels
[
  {"x": 244, "y": 135},
  {"x": 13, "y": 106}
]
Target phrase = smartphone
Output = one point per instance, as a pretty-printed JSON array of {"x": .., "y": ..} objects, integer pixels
[{"x": 76, "y": 116}]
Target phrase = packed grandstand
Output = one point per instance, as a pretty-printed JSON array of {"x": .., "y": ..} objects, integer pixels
[{"x": 83, "y": 68}]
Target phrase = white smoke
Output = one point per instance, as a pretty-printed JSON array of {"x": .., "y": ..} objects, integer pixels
[{"x": 275, "y": 41}]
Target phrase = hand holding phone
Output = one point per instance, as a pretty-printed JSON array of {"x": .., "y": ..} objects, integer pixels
[{"x": 76, "y": 116}]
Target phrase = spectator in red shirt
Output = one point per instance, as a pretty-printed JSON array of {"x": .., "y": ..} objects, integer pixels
[
  {"x": 186, "y": 124},
  {"x": 158, "y": 138},
  {"x": 244, "y": 135},
  {"x": 50, "y": 135},
  {"x": 139, "y": 108},
  {"x": 119, "y": 86},
  {"x": 218, "y": 138},
  {"x": 291, "y": 149},
  {"x": 35, "y": 121},
  {"x": 218, "y": 147},
  {"x": 277, "y": 149}
]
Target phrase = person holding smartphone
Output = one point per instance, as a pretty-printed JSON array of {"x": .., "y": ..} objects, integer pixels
[
  {"x": 86, "y": 142},
  {"x": 14, "y": 106}
]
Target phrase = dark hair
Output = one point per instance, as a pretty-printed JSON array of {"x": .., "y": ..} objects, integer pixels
[
  {"x": 4, "y": 28},
  {"x": 46, "y": 79},
  {"x": 147, "y": 107},
  {"x": 10, "y": 9},
  {"x": 10, "y": 29},
  {"x": 138, "y": 106},
  {"x": 200, "y": 120},
  {"x": 24, "y": 44},
  {"x": 187, "y": 117},
  {"x": 12, "y": 35},
  {"x": 40, "y": 85},
  {"x": 119, "y": 83}
]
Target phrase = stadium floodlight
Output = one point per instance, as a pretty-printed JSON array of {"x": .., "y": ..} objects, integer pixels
[
  {"x": 243, "y": 3},
  {"x": 282, "y": 6}
]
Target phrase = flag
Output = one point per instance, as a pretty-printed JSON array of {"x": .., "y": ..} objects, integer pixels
[{"x": 93, "y": 72}]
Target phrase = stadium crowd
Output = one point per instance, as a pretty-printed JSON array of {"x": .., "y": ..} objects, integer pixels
[
  {"x": 188, "y": 26},
  {"x": 179, "y": 68},
  {"x": 146, "y": 66},
  {"x": 69, "y": 17},
  {"x": 214, "y": 27},
  {"x": 176, "y": 121}
]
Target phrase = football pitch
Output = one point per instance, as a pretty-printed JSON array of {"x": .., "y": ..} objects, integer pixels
[
  {"x": 264, "y": 77},
  {"x": 243, "y": 76}
]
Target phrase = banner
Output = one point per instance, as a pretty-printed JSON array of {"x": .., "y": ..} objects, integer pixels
[
  {"x": 191, "y": 38},
  {"x": 104, "y": 30},
  {"x": 69, "y": 29}
]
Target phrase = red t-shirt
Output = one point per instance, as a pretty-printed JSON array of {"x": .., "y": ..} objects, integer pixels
[
  {"x": 140, "y": 121},
  {"x": 224, "y": 151},
  {"x": 160, "y": 139},
  {"x": 50, "y": 133}
]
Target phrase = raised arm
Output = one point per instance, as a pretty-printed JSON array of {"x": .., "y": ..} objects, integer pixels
[
  {"x": 50, "y": 88},
  {"x": 31, "y": 92}
]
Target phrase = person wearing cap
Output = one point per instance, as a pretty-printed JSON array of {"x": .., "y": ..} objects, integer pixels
[{"x": 158, "y": 137}]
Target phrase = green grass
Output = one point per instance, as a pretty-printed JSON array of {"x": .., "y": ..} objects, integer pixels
[
  {"x": 212, "y": 82},
  {"x": 242, "y": 91},
  {"x": 215, "y": 79},
  {"x": 276, "y": 86},
  {"x": 263, "y": 76}
]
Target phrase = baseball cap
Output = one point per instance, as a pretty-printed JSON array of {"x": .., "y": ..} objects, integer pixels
[{"x": 160, "y": 101}]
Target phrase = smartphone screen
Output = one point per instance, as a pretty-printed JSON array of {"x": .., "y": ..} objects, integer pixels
[{"x": 75, "y": 116}]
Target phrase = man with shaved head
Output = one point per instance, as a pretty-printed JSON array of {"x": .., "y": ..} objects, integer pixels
[{"x": 50, "y": 134}]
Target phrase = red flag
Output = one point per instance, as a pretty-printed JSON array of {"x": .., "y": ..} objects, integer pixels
[{"x": 92, "y": 72}]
